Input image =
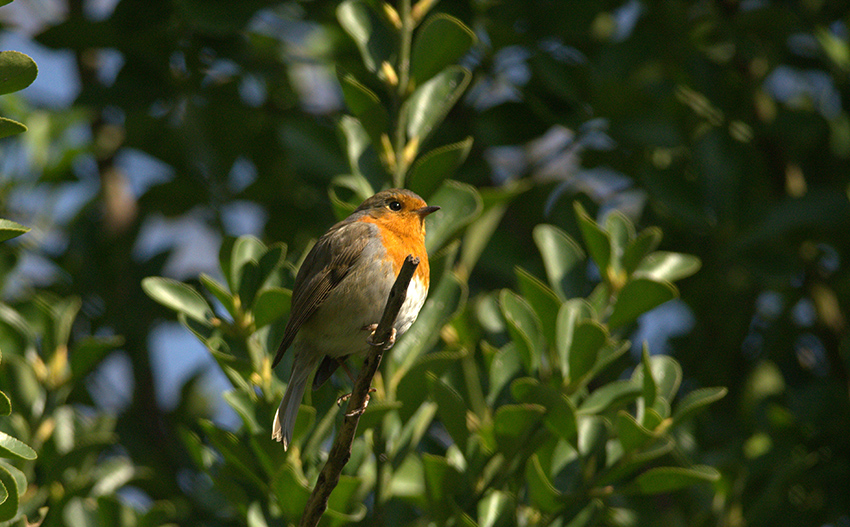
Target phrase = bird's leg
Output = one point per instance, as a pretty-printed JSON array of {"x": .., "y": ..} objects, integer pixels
[{"x": 342, "y": 398}]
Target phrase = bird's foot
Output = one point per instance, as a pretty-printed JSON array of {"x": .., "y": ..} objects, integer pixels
[
  {"x": 344, "y": 398},
  {"x": 383, "y": 345}
]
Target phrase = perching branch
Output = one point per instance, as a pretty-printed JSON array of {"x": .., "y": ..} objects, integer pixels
[{"x": 381, "y": 341}]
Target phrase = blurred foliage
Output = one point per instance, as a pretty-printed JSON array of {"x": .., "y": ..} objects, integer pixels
[{"x": 724, "y": 123}]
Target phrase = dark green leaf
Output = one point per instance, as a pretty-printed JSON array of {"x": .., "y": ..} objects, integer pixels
[
  {"x": 696, "y": 401},
  {"x": 597, "y": 240},
  {"x": 589, "y": 516},
  {"x": 366, "y": 106},
  {"x": 218, "y": 291},
  {"x": 560, "y": 255},
  {"x": 513, "y": 424},
  {"x": 589, "y": 337},
  {"x": 179, "y": 297},
  {"x": 544, "y": 302},
  {"x": 428, "y": 105},
  {"x": 560, "y": 412},
  {"x": 667, "y": 375},
  {"x": 542, "y": 493},
  {"x": 621, "y": 232},
  {"x": 569, "y": 315},
  {"x": 434, "y": 167},
  {"x": 637, "y": 297},
  {"x": 611, "y": 395},
  {"x": 8, "y": 494},
  {"x": 632, "y": 435},
  {"x": 10, "y": 127},
  {"x": 460, "y": 204},
  {"x": 5, "y": 404},
  {"x": 17, "y": 71},
  {"x": 667, "y": 479},
  {"x": 451, "y": 408},
  {"x": 291, "y": 492},
  {"x": 650, "y": 388},
  {"x": 411, "y": 385},
  {"x": 440, "y": 42},
  {"x": 270, "y": 305},
  {"x": 646, "y": 242},
  {"x": 523, "y": 327}
]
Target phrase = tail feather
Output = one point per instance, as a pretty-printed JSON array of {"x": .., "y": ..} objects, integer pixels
[{"x": 284, "y": 418}]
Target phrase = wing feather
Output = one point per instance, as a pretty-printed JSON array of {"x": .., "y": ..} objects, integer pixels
[{"x": 327, "y": 264}]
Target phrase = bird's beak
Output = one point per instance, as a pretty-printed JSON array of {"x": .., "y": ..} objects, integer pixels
[{"x": 424, "y": 211}]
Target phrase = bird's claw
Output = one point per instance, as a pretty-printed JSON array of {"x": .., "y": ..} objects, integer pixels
[
  {"x": 383, "y": 345},
  {"x": 358, "y": 411}
]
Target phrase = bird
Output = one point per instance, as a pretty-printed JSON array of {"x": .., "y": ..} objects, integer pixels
[{"x": 342, "y": 287}]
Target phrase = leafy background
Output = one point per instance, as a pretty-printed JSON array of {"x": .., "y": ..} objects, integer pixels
[{"x": 156, "y": 130}]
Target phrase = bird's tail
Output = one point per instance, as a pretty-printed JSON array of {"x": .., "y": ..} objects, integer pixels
[{"x": 284, "y": 419}]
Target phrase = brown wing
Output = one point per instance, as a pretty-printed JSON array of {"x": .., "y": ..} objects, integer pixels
[{"x": 324, "y": 268}]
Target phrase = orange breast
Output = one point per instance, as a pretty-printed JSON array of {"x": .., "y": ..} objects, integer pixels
[{"x": 402, "y": 238}]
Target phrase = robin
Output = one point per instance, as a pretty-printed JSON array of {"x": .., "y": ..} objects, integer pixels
[{"x": 342, "y": 287}]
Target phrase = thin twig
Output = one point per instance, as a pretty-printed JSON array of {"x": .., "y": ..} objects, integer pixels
[{"x": 341, "y": 450}]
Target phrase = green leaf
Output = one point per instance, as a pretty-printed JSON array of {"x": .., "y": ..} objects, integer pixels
[
  {"x": 589, "y": 337},
  {"x": 8, "y": 228},
  {"x": 8, "y": 494},
  {"x": 504, "y": 365},
  {"x": 451, "y": 408},
  {"x": 368, "y": 32},
  {"x": 291, "y": 492},
  {"x": 218, "y": 291},
  {"x": 366, "y": 106},
  {"x": 589, "y": 516},
  {"x": 270, "y": 305},
  {"x": 544, "y": 302},
  {"x": 667, "y": 479},
  {"x": 560, "y": 414},
  {"x": 667, "y": 375},
  {"x": 650, "y": 388},
  {"x": 696, "y": 401},
  {"x": 5, "y": 404},
  {"x": 646, "y": 242},
  {"x": 592, "y": 436},
  {"x": 10, "y": 127},
  {"x": 637, "y": 297},
  {"x": 428, "y": 105},
  {"x": 255, "y": 517},
  {"x": 513, "y": 424},
  {"x": 611, "y": 395},
  {"x": 440, "y": 42},
  {"x": 541, "y": 491},
  {"x": 411, "y": 386},
  {"x": 495, "y": 507},
  {"x": 17, "y": 71},
  {"x": 12, "y": 448},
  {"x": 523, "y": 327},
  {"x": 560, "y": 255},
  {"x": 621, "y": 232},
  {"x": 362, "y": 161},
  {"x": 632, "y": 435},
  {"x": 661, "y": 266},
  {"x": 597, "y": 240},
  {"x": 460, "y": 204},
  {"x": 355, "y": 184},
  {"x": 249, "y": 283},
  {"x": 569, "y": 315},
  {"x": 245, "y": 249},
  {"x": 179, "y": 297},
  {"x": 440, "y": 479},
  {"x": 434, "y": 167}
]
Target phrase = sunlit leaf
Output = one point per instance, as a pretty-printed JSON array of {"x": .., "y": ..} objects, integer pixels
[
  {"x": 696, "y": 401},
  {"x": 15, "y": 449},
  {"x": 17, "y": 71},
  {"x": 460, "y": 204},
  {"x": 541, "y": 491},
  {"x": 428, "y": 105},
  {"x": 367, "y": 31},
  {"x": 179, "y": 297},
  {"x": 8, "y": 228},
  {"x": 645, "y": 242},
  {"x": 270, "y": 305},
  {"x": 668, "y": 266},
  {"x": 10, "y": 127},
  {"x": 611, "y": 395},
  {"x": 523, "y": 327},
  {"x": 544, "y": 302}
]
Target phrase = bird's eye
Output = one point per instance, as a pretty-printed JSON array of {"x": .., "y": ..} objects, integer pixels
[{"x": 394, "y": 205}]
